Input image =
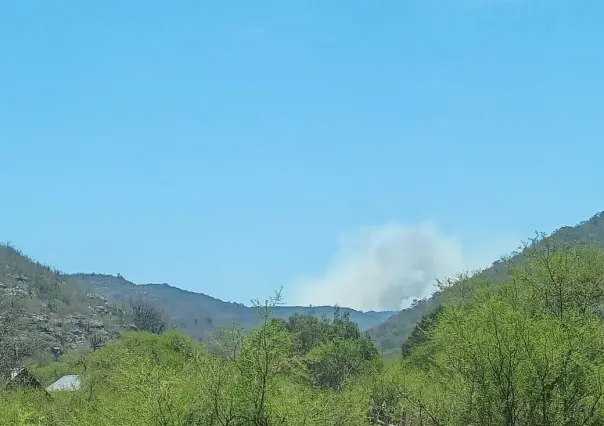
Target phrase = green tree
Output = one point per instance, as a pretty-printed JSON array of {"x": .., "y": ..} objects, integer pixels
[{"x": 523, "y": 353}]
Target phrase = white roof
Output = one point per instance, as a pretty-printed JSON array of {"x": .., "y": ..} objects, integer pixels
[{"x": 66, "y": 383}]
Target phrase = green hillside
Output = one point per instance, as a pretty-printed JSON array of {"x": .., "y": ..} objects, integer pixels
[
  {"x": 46, "y": 313},
  {"x": 526, "y": 351},
  {"x": 392, "y": 333}
]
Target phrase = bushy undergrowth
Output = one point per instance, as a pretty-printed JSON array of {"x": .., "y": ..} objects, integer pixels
[{"x": 527, "y": 352}]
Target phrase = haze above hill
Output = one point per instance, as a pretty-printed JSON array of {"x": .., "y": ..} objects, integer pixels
[
  {"x": 389, "y": 265},
  {"x": 393, "y": 332},
  {"x": 386, "y": 267}
]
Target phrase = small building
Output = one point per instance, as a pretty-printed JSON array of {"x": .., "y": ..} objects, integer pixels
[
  {"x": 21, "y": 378},
  {"x": 70, "y": 383}
]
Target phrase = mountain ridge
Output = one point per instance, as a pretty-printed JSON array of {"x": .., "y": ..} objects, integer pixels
[
  {"x": 199, "y": 313},
  {"x": 63, "y": 312},
  {"x": 68, "y": 310}
]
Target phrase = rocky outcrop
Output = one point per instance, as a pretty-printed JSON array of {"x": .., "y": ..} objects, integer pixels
[
  {"x": 60, "y": 333},
  {"x": 59, "y": 313}
]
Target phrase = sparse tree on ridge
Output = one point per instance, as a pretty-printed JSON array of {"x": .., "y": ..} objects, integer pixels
[{"x": 147, "y": 317}]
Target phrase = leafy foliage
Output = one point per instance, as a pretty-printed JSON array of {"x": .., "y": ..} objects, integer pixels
[
  {"x": 333, "y": 351},
  {"x": 169, "y": 379},
  {"x": 524, "y": 350},
  {"x": 422, "y": 332},
  {"x": 393, "y": 332}
]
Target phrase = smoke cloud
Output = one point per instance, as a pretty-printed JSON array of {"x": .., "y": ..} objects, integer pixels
[{"x": 384, "y": 268}]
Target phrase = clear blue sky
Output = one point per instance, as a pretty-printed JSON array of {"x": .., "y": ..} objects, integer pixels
[{"x": 224, "y": 147}]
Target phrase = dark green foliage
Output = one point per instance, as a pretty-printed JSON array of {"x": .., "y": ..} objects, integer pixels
[
  {"x": 256, "y": 378},
  {"x": 333, "y": 351},
  {"x": 309, "y": 331},
  {"x": 523, "y": 352},
  {"x": 147, "y": 317},
  {"x": 519, "y": 346},
  {"x": 422, "y": 332}
]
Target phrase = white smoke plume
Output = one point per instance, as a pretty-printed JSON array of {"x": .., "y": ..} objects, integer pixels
[{"x": 384, "y": 268}]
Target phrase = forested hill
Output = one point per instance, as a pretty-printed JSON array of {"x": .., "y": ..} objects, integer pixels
[
  {"x": 197, "y": 313},
  {"x": 74, "y": 312},
  {"x": 524, "y": 352},
  {"x": 392, "y": 333}
]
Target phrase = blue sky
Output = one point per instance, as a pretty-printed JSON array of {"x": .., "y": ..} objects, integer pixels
[{"x": 234, "y": 147}]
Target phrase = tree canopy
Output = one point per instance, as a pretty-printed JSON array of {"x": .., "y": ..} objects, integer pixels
[{"x": 526, "y": 351}]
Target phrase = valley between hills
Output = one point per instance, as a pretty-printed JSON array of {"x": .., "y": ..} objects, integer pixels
[
  {"x": 520, "y": 339},
  {"x": 65, "y": 310}
]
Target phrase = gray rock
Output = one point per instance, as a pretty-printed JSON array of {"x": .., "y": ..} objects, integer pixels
[
  {"x": 46, "y": 329},
  {"x": 96, "y": 324}
]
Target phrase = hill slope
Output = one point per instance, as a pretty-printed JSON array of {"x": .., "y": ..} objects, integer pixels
[
  {"x": 57, "y": 313},
  {"x": 392, "y": 333},
  {"x": 197, "y": 313}
]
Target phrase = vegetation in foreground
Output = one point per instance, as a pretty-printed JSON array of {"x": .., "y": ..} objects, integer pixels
[{"x": 525, "y": 352}]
